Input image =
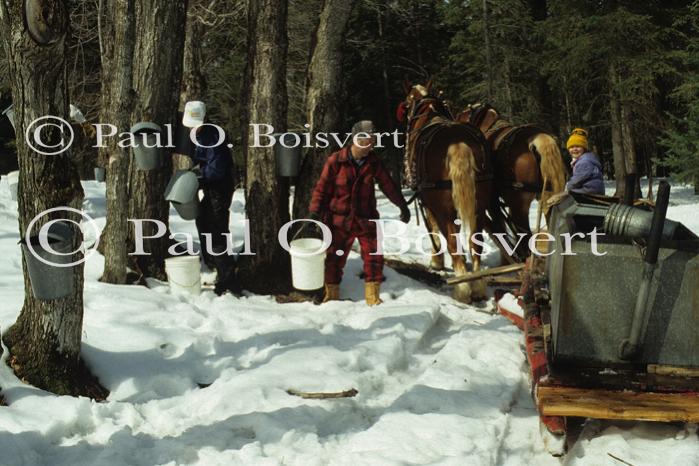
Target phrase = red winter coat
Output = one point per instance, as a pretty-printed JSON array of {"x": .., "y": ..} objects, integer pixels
[{"x": 347, "y": 191}]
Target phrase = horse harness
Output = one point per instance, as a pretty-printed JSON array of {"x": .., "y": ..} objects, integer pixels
[
  {"x": 501, "y": 136},
  {"x": 441, "y": 125}
]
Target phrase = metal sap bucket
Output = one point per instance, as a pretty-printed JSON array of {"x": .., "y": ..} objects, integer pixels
[
  {"x": 182, "y": 191},
  {"x": 100, "y": 174},
  {"x": 9, "y": 112},
  {"x": 51, "y": 281},
  {"x": 631, "y": 222},
  {"x": 147, "y": 134},
  {"x": 188, "y": 211},
  {"x": 288, "y": 159}
]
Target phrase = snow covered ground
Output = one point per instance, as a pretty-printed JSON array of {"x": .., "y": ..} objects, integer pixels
[{"x": 203, "y": 380}]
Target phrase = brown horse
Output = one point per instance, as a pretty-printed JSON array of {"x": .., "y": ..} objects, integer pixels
[
  {"x": 450, "y": 171},
  {"x": 528, "y": 165}
]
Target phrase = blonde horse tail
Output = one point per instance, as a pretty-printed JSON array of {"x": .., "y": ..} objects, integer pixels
[
  {"x": 553, "y": 172},
  {"x": 461, "y": 163}
]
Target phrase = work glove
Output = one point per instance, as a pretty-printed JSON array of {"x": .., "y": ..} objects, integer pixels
[{"x": 405, "y": 214}]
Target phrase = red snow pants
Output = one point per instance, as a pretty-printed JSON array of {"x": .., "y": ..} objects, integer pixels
[{"x": 343, "y": 235}]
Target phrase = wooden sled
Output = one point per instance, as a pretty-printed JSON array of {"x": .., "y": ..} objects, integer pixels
[{"x": 562, "y": 394}]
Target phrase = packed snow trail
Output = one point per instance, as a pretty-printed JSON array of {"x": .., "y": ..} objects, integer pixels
[{"x": 203, "y": 380}]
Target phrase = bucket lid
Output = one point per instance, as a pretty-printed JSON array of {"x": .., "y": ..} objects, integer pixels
[{"x": 146, "y": 127}]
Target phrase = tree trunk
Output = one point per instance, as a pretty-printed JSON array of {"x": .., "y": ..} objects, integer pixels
[
  {"x": 45, "y": 340},
  {"x": 488, "y": 52},
  {"x": 157, "y": 74},
  {"x": 630, "y": 157},
  {"x": 507, "y": 82},
  {"x": 569, "y": 117},
  {"x": 617, "y": 138},
  {"x": 266, "y": 195},
  {"x": 323, "y": 99},
  {"x": 117, "y": 71},
  {"x": 193, "y": 82},
  {"x": 388, "y": 113}
]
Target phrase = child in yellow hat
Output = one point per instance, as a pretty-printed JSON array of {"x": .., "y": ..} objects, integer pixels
[{"x": 587, "y": 170}]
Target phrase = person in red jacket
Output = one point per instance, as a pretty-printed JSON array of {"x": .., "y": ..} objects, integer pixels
[{"x": 344, "y": 200}]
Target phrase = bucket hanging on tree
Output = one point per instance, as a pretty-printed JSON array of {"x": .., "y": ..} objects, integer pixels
[
  {"x": 100, "y": 174},
  {"x": 182, "y": 191},
  {"x": 147, "y": 150},
  {"x": 48, "y": 261},
  {"x": 287, "y": 153}
]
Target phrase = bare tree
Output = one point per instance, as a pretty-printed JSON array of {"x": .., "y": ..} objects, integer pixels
[
  {"x": 324, "y": 89},
  {"x": 266, "y": 96},
  {"x": 45, "y": 340},
  {"x": 157, "y": 73},
  {"x": 117, "y": 37}
]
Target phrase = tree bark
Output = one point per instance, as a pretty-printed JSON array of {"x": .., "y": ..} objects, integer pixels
[
  {"x": 324, "y": 92},
  {"x": 267, "y": 196},
  {"x": 45, "y": 340},
  {"x": 117, "y": 99},
  {"x": 630, "y": 157},
  {"x": 617, "y": 138},
  {"x": 157, "y": 74},
  {"x": 193, "y": 81},
  {"x": 488, "y": 52}
]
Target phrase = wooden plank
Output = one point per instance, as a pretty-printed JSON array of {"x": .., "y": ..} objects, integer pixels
[
  {"x": 505, "y": 281},
  {"x": 673, "y": 370},
  {"x": 623, "y": 405},
  {"x": 485, "y": 273}
]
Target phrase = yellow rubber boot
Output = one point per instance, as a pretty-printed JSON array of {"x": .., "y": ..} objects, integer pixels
[
  {"x": 371, "y": 293},
  {"x": 332, "y": 293}
]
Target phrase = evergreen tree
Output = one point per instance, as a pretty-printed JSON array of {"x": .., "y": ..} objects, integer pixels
[{"x": 682, "y": 140}]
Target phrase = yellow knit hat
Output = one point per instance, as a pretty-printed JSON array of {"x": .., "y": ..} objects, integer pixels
[{"x": 577, "y": 138}]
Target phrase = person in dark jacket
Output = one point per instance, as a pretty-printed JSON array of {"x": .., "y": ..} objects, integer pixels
[
  {"x": 344, "y": 200},
  {"x": 587, "y": 175},
  {"x": 213, "y": 164}
]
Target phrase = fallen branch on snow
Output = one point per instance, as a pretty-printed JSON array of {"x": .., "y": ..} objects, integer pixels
[{"x": 321, "y": 396}]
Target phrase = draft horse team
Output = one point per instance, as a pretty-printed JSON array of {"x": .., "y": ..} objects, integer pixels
[
  {"x": 473, "y": 168},
  {"x": 479, "y": 168}
]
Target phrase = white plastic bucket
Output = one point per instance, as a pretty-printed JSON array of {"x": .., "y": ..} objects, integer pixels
[
  {"x": 307, "y": 263},
  {"x": 13, "y": 183},
  {"x": 184, "y": 274}
]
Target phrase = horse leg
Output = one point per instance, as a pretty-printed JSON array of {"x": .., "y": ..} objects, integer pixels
[
  {"x": 479, "y": 288},
  {"x": 519, "y": 203},
  {"x": 462, "y": 292},
  {"x": 437, "y": 262}
]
